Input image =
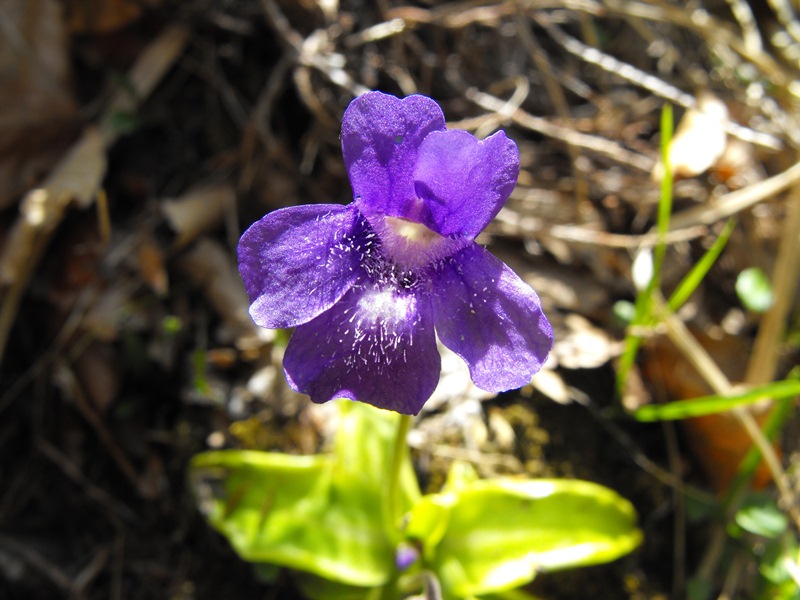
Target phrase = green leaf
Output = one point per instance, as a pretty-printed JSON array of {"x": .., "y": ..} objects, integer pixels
[
  {"x": 461, "y": 475},
  {"x": 364, "y": 445},
  {"x": 321, "y": 514},
  {"x": 776, "y": 564},
  {"x": 754, "y": 289},
  {"x": 296, "y": 511},
  {"x": 760, "y": 515},
  {"x": 511, "y": 595},
  {"x": 428, "y": 521},
  {"x": 319, "y": 588},
  {"x": 624, "y": 311},
  {"x": 500, "y": 533},
  {"x": 707, "y": 405}
]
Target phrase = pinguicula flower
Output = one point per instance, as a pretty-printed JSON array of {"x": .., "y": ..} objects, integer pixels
[{"x": 368, "y": 286}]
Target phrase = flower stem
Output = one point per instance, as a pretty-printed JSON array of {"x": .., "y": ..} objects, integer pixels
[{"x": 392, "y": 498}]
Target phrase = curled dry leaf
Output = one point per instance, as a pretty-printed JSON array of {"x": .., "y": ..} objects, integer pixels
[
  {"x": 198, "y": 211},
  {"x": 718, "y": 442},
  {"x": 550, "y": 383},
  {"x": 211, "y": 266},
  {"x": 581, "y": 345},
  {"x": 700, "y": 139},
  {"x": 38, "y": 114},
  {"x": 454, "y": 386}
]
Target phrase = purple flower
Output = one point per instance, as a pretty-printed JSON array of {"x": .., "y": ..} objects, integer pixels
[{"x": 369, "y": 285}]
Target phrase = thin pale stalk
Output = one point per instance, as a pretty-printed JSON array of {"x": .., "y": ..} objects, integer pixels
[
  {"x": 764, "y": 357},
  {"x": 392, "y": 513}
]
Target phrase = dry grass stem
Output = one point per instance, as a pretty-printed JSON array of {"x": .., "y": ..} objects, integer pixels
[{"x": 785, "y": 276}]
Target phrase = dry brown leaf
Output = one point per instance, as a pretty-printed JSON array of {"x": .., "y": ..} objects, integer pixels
[
  {"x": 97, "y": 368},
  {"x": 77, "y": 178},
  {"x": 151, "y": 265},
  {"x": 198, "y": 211},
  {"x": 104, "y": 16},
  {"x": 212, "y": 267},
  {"x": 103, "y": 317},
  {"x": 718, "y": 442},
  {"x": 38, "y": 114}
]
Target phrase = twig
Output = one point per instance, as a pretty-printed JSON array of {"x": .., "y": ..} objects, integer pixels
[
  {"x": 734, "y": 202},
  {"x": 147, "y": 72},
  {"x": 92, "y": 491},
  {"x": 783, "y": 11},
  {"x": 764, "y": 357},
  {"x": 747, "y": 22},
  {"x": 559, "y": 100},
  {"x": 77, "y": 177},
  {"x": 311, "y": 52},
  {"x": 733, "y": 578},
  {"x": 649, "y": 82},
  {"x": 261, "y": 114},
  {"x": 715, "y": 33},
  {"x": 703, "y": 24},
  {"x": 90, "y": 571},
  {"x": 667, "y": 477},
  {"x": 604, "y": 147},
  {"x": 615, "y": 66},
  {"x": 381, "y": 31},
  {"x": 74, "y": 391},
  {"x": 582, "y": 235},
  {"x": 38, "y": 562}
]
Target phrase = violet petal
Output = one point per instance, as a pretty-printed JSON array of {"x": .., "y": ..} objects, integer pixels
[
  {"x": 297, "y": 262},
  {"x": 380, "y": 138},
  {"x": 464, "y": 182},
  {"x": 491, "y": 318},
  {"x": 375, "y": 346}
]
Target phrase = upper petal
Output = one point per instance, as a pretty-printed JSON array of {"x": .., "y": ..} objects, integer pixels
[
  {"x": 464, "y": 182},
  {"x": 375, "y": 346},
  {"x": 492, "y": 319},
  {"x": 380, "y": 138},
  {"x": 297, "y": 262}
]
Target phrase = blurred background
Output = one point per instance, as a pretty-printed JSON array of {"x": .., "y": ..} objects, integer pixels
[{"x": 139, "y": 138}]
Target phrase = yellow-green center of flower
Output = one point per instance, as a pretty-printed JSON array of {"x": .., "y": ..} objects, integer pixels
[
  {"x": 411, "y": 244},
  {"x": 411, "y": 232}
]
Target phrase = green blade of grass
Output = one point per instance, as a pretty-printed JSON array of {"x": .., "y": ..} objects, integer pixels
[
  {"x": 644, "y": 313},
  {"x": 689, "y": 283},
  {"x": 665, "y": 201},
  {"x": 707, "y": 405}
]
